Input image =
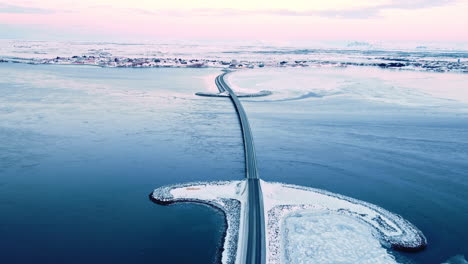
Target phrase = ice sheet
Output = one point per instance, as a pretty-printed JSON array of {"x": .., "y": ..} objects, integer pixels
[{"x": 371, "y": 84}]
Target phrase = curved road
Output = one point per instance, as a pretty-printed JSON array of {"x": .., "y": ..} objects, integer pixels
[{"x": 254, "y": 252}]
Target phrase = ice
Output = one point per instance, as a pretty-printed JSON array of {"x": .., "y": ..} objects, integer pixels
[
  {"x": 371, "y": 84},
  {"x": 325, "y": 238},
  {"x": 284, "y": 204},
  {"x": 458, "y": 259}
]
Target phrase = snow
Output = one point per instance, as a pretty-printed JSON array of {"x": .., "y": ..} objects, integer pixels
[
  {"x": 226, "y": 94},
  {"x": 323, "y": 237},
  {"x": 284, "y": 203},
  {"x": 211, "y": 54},
  {"x": 303, "y": 225},
  {"x": 406, "y": 88},
  {"x": 210, "y": 191},
  {"x": 281, "y": 194},
  {"x": 228, "y": 196}
]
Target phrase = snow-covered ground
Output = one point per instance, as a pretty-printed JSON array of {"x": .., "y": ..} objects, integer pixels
[
  {"x": 304, "y": 225},
  {"x": 146, "y": 54}
]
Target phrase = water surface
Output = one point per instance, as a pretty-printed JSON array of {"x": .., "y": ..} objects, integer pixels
[
  {"x": 81, "y": 148},
  {"x": 395, "y": 139}
]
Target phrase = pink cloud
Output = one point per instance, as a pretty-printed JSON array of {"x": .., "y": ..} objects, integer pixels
[{"x": 404, "y": 24}]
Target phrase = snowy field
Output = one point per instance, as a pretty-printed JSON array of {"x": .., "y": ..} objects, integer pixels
[{"x": 405, "y": 56}]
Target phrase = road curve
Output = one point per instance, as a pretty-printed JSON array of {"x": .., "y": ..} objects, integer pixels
[{"x": 254, "y": 252}]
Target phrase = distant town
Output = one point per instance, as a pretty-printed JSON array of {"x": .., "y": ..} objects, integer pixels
[{"x": 107, "y": 60}]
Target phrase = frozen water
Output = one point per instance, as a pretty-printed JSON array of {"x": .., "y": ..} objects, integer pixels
[
  {"x": 396, "y": 139},
  {"x": 326, "y": 238},
  {"x": 371, "y": 84},
  {"x": 458, "y": 259}
]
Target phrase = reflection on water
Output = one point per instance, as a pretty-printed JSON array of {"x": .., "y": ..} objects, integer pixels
[
  {"x": 82, "y": 147},
  {"x": 404, "y": 151}
]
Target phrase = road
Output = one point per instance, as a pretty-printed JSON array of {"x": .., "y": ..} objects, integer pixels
[{"x": 254, "y": 252}]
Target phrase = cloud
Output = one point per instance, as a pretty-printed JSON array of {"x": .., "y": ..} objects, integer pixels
[
  {"x": 417, "y": 4},
  {"x": 364, "y": 12},
  {"x": 13, "y": 9},
  {"x": 367, "y": 12},
  {"x": 361, "y": 13},
  {"x": 356, "y": 13}
]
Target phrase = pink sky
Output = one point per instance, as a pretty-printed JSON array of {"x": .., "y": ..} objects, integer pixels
[{"x": 396, "y": 20}]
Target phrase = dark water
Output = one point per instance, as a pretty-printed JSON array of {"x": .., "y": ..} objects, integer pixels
[
  {"x": 411, "y": 160},
  {"x": 81, "y": 148}
]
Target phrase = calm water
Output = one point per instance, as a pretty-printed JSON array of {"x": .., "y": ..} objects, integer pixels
[
  {"x": 371, "y": 138},
  {"x": 81, "y": 148}
]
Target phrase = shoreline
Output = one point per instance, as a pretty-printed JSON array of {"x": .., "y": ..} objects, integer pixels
[
  {"x": 440, "y": 66},
  {"x": 389, "y": 229},
  {"x": 220, "y": 249},
  {"x": 229, "y": 206}
]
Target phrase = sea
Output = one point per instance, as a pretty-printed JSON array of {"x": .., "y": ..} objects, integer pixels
[{"x": 82, "y": 147}]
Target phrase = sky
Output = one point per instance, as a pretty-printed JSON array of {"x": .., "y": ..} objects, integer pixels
[{"x": 302, "y": 20}]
